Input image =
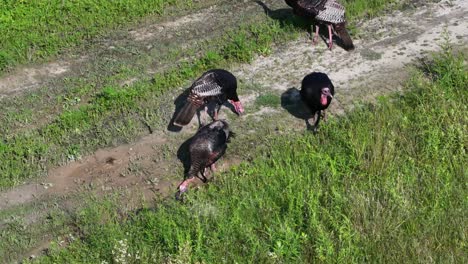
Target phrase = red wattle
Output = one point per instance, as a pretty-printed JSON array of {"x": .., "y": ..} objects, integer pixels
[{"x": 323, "y": 100}]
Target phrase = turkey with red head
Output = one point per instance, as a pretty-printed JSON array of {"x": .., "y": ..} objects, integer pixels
[
  {"x": 329, "y": 12},
  {"x": 216, "y": 86},
  {"x": 317, "y": 92},
  {"x": 206, "y": 147}
]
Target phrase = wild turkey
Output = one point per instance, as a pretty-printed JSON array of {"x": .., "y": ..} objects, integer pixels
[
  {"x": 216, "y": 86},
  {"x": 328, "y": 12},
  {"x": 317, "y": 93},
  {"x": 206, "y": 147}
]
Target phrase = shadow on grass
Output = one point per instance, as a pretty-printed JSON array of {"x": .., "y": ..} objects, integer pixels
[
  {"x": 285, "y": 16},
  {"x": 291, "y": 102},
  {"x": 183, "y": 154}
]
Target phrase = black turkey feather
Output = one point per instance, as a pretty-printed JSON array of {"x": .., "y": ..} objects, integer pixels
[{"x": 215, "y": 85}]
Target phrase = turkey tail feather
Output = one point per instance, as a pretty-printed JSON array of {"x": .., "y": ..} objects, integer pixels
[
  {"x": 344, "y": 36},
  {"x": 186, "y": 114}
]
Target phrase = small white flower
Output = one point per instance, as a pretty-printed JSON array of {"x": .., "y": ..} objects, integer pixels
[{"x": 272, "y": 255}]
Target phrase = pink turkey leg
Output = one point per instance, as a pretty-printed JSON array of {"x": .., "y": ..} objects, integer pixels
[
  {"x": 207, "y": 116},
  {"x": 315, "y": 39},
  {"x": 330, "y": 43},
  {"x": 183, "y": 187}
]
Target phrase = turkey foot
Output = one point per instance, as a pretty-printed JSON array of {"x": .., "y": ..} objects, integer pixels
[{"x": 183, "y": 186}]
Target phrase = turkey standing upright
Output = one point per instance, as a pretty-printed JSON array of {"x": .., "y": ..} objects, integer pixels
[
  {"x": 215, "y": 85},
  {"x": 317, "y": 93},
  {"x": 329, "y": 12},
  {"x": 206, "y": 147}
]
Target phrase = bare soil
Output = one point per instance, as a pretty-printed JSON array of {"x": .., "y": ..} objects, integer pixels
[{"x": 386, "y": 50}]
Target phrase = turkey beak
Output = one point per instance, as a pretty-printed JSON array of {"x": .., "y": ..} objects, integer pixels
[
  {"x": 238, "y": 106},
  {"x": 327, "y": 93}
]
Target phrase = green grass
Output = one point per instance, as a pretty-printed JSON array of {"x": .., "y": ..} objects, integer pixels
[
  {"x": 384, "y": 184},
  {"x": 21, "y": 230},
  {"x": 271, "y": 100},
  {"x": 35, "y": 30},
  {"x": 357, "y": 9}
]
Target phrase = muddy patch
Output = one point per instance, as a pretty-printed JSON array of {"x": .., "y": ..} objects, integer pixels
[{"x": 124, "y": 167}]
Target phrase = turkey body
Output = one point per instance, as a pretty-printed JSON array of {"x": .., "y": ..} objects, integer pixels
[
  {"x": 329, "y": 12},
  {"x": 206, "y": 147},
  {"x": 317, "y": 92},
  {"x": 217, "y": 86}
]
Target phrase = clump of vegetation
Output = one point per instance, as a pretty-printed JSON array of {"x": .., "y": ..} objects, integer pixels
[
  {"x": 383, "y": 184},
  {"x": 357, "y": 9},
  {"x": 271, "y": 100}
]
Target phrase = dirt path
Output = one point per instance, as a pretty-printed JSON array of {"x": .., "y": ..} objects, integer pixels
[{"x": 378, "y": 66}]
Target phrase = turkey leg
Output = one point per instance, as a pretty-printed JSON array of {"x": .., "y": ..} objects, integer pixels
[
  {"x": 315, "y": 39},
  {"x": 183, "y": 186},
  {"x": 207, "y": 115},
  {"x": 315, "y": 121},
  {"x": 330, "y": 40},
  {"x": 324, "y": 116},
  {"x": 216, "y": 113}
]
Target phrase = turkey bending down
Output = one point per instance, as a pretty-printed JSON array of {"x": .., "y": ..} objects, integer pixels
[
  {"x": 328, "y": 12},
  {"x": 213, "y": 86},
  {"x": 206, "y": 147},
  {"x": 317, "y": 93}
]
